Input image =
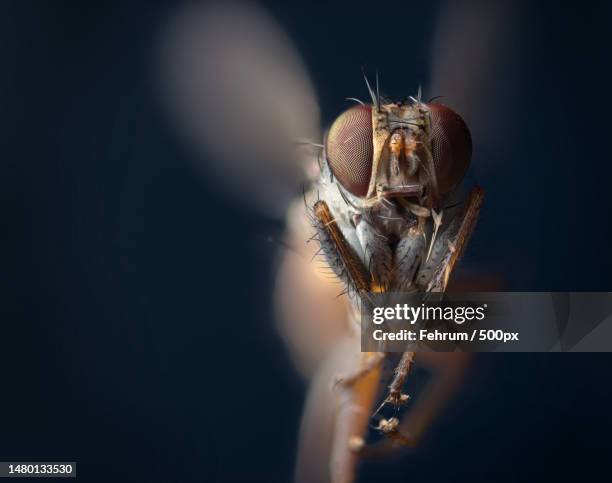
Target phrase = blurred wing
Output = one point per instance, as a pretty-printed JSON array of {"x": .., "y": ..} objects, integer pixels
[
  {"x": 238, "y": 91},
  {"x": 476, "y": 54}
]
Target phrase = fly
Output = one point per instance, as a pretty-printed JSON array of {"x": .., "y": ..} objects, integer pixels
[{"x": 382, "y": 209}]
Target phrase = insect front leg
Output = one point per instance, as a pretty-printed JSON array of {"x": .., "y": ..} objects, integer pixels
[
  {"x": 450, "y": 245},
  {"x": 447, "y": 370},
  {"x": 340, "y": 255},
  {"x": 401, "y": 372}
]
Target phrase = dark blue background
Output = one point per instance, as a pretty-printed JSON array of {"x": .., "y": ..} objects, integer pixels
[{"x": 120, "y": 264}]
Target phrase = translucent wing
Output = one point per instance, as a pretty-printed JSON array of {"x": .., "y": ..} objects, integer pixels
[
  {"x": 239, "y": 93},
  {"x": 475, "y": 55}
]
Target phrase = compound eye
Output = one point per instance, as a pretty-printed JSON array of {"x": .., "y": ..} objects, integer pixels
[
  {"x": 451, "y": 147},
  {"x": 349, "y": 149}
]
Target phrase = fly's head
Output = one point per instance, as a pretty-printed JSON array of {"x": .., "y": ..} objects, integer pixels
[
  {"x": 388, "y": 169},
  {"x": 417, "y": 152}
]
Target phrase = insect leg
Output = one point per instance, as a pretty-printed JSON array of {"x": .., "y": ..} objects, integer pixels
[
  {"x": 447, "y": 372},
  {"x": 451, "y": 244},
  {"x": 354, "y": 408},
  {"x": 395, "y": 396},
  {"x": 339, "y": 253},
  {"x": 335, "y": 422}
]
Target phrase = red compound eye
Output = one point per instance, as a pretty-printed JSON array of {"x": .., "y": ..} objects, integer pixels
[
  {"x": 451, "y": 145},
  {"x": 349, "y": 148}
]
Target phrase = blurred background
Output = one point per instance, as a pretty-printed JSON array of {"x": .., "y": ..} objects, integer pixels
[{"x": 122, "y": 261}]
